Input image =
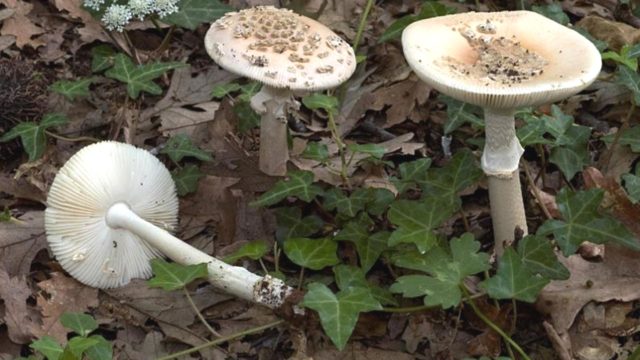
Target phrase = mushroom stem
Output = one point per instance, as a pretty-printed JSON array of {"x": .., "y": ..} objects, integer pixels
[
  {"x": 234, "y": 280},
  {"x": 272, "y": 104},
  {"x": 500, "y": 159}
]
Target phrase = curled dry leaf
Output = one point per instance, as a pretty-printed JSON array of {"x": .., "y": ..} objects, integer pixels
[
  {"x": 614, "y": 33},
  {"x": 402, "y": 99},
  {"x": 14, "y": 291},
  {"x": 20, "y": 241},
  {"x": 20, "y": 26}
]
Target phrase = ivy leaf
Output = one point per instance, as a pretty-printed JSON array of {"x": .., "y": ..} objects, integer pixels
[
  {"x": 572, "y": 158},
  {"x": 247, "y": 117},
  {"x": 100, "y": 351},
  {"x": 81, "y": 324},
  {"x": 291, "y": 224},
  {"x": 314, "y": 254},
  {"x": 533, "y": 131},
  {"x": 397, "y": 27},
  {"x": 416, "y": 221},
  {"x": 186, "y": 179},
  {"x": 553, "y": 11},
  {"x": 351, "y": 277},
  {"x": 627, "y": 56},
  {"x": 414, "y": 170},
  {"x": 373, "y": 150},
  {"x": 321, "y": 101},
  {"x": 582, "y": 221},
  {"x": 629, "y": 136},
  {"x": 72, "y": 89},
  {"x": 48, "y": 347},
  {"x": 297, "y": 183},
  {"x": 172, "y": 276},
  {"x": 632, "y": 185},
  {"x": 538, "y": 256},
  {"x": 339, "y": 312},
  {"x": 32, "y": 135},
  {"x": 101, "y": 58},
  {"x": 379, "y": 200},
  {"x": 447, "y": 271},
  {"x": 369, "y": 246},
  {"x": 139, "y": 77},
  {"x": 513, "y": 280},
  {"x": 222, "y": 90},
  {"x": 429, "y": 9},
  {"x": 631, "y": 80},
  {"x": 180, "y": 146},
  {"x": 334, "y": 199},
  {"x": 253, "y": 250},
  {"x": 316, "y": 151},
  {"x": 460, "y": 113},
  {"x": 192, "y": 13},
  {"x": 78, "y": 345}
]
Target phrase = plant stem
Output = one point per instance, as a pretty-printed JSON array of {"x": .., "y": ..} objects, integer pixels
[
  {"x": 340, "y": 144},
  {"x": 361, "y": 25},
  {"x": 536, "y": 191},
  {"x": 616, "y": 139},
  {"x": 222, "y": 340},
  {"x": 425, "y": 307},
  {"x": 199, "y": 314},
  {"x": 493, "y": 326},
  {"x": 301, "y": 278},
  {"x": 64, "y": 138}
]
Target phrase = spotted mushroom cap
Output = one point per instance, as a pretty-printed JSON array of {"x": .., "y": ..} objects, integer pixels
[
  {"x": 95, "y": 178},
  {"x": 280, "y": 48},
  {"x": 501, "y": 60}
]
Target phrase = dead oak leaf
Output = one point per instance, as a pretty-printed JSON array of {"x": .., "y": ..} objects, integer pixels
[
  {"x": 20, "y": 241},
  {"x": 402, "y": 98},
  {"x": 20, "y": 26},
  {"x": 92, "y": 29},
  {"x": 63, "y": 294},
  {"x": 14, "y": 291}
]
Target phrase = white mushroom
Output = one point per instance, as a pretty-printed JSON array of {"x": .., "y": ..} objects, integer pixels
[
  {"x": 501, "y": 61},
  {"x": 286, "y": 52},
  {"x": 108, "y": 212}
]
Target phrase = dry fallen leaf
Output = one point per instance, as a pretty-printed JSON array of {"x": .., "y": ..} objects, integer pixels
[
  {"x": 20, "y": 26},
  {"x": 14, "y": 291},
  {"x": 402, "y": 97},
  {"x": 614, "y": 33},
  {"x": 20, "y": 241},
  {"x": 92, "y": 29}
]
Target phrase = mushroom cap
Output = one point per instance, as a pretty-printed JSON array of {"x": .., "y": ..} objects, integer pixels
[
  {"x": 95, "y": 178},
  {"x": 280, "y": 48},
  {"x": 543, "y": 61}
]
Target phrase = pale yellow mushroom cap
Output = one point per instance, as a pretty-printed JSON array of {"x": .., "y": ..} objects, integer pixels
[
  {"x": 543, "y": 61},
  {"x": 94, "y": 179},
  {"x": 280, "y": 48}
]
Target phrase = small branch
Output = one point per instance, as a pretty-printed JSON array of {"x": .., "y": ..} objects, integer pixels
[
  {"x": 199, "y": 314},
  {"x": 536, "y": 191},
  {"x": 76, "y": 139}
]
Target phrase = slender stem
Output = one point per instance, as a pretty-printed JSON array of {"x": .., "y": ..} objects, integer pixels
[
  {"x": 166, "y": 40},
  {"x": 199, "y": 314},
  {"x": 222, "y": 340},
  {"x": 75, "y": 139},
  {"x": 264, "y": 268},
  {"x": 361, "y": 25},
  {"x": 494, "y": 327},
  {"x": 616, "y": 139},
  {"x": 536, "y": 191},
  {"x": 409, "y": 309},
  {"x": 340, "y": 144},
  {"x": 301, "y": 278}
]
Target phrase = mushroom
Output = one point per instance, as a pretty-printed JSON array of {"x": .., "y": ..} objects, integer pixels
[
  {"x": 288, "y": 53},
  {"x": 111, "y": 208},
  {"x": 501, "y": 61}
]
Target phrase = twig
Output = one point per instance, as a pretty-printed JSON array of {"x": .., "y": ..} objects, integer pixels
[
  {"x": 624, "y": 126},
  {"x": 536, "y": 192},
  {"x": 76, "y": 139},
  {"x": 199, "y": 314}
]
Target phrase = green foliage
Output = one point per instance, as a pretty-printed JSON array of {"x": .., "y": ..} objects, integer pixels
[
  {"x": 553, "y": 11},
  {"x": 172, "y": 276},
  {"x": 192, "y": 13},
  {"x": 632, "y": 185},
  {"x": 373, "y": 150},
  {"x": 32, "y": 135},
  {"x": 102, "y": 58},
  {"x": 180, "y": 146},
  {"x": 347, "y": 206},
  {"x": 321, "y": 101},
  {"x": 429, "y": 9},
  {"x": 298, "y": 184},
  {"x": 537, "y": 255},
  {"x": 631, "y": 80},
  {"x": 368, "y": 245},
  {"x": 247, "y": 117},
  {"x": 72, "y": 89},
  {"x": 628, "y": 56},
  {"x": 93, "y": 347},
  {"x": 314, "y": 254},
  {"x": 291, "y": 224},
  {"x": 582, "y": 221},
  {"x": 316, "y": 151},
  {"x": 186, "y": 179},
  {"x": 339, "y": 312},
  {"x": 629, "y": 136},
  {"x": 348, "y": 277},
  {"x": 253, "y": 250},
  {"x": 460, "y": 113},
  {"x": 446, "y": 269},
  {"x": 139, "y": 78}
]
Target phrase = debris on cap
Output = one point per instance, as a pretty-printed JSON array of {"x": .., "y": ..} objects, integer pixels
[{"x": 280, "y": 48}]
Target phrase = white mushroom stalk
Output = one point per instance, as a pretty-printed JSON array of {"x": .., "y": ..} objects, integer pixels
[
  {"x": 286, "y": 52},
  {"x": 110, "y": 210},
  {"x": 501, "y": 61}
]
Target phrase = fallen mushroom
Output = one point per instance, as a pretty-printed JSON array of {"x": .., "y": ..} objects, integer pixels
[
  {"x": 110, "y": 210},
  {"x": 501, "y": 61},
  {"x": 288, "y": 53}
]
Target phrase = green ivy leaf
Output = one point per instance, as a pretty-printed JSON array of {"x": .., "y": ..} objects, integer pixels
[
  {"x": 79, "y": 345},
  {"x": 316, "y": 151},
  {"x": 297, "y": 183},
  {"x": 32, "y": 135},
  {"x": 373, "y": 150},
  {"x": 101, "y": 58},
  {"x": 348, "y": 277},
  {"x": 139, "y": 77},
  {"x": 629, "y": 136},
  {"x": 72, "y": 89},
  {"x": 186, "y": 179},
  {"x": 222, "y": 90},
  {"x": 416, "y": 221},
  {"x": 571, "y": 159},
  {"x": 349, "y": 206},
  {"x": 247, "y": 117},
  {"x": 369, "y": 246},
  {"x": 582, "y": 222},
  {"x": 81, "y": 324},
  {"x": 379, "y": 200},
  {"x": 101, "y": 351},
  {"x": 317, "y": 101},
  {"x": 192, "y": 13},
  {"x": 447, "y": 271},
  {"x": 533, "y": 131},
  {"x": 48, "y": 346},
  {"x": 513, "y": 280},
  {"x": 460, "y": 113},
  {"x": 631, "y": 80},
  {"x": 291, "y": 224},
  {"x": 314, "y": 254},
  {"x": 429, "y": 9},
  {"x": 180, "y": 145},
  {"x": 538, "y": 256},
  {"x": 553, "y": 11},
  {"x": 414, "y": 170},
  {"x": 172, "y": 276},
  {"x": 627, "y": 56},
  {"x": 632, "y": 185},
  {"x": 339, "y": 312},
  {"x": 253, "y": 250}
]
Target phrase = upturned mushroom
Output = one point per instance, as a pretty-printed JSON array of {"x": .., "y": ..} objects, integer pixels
[
  {"x": 111, "y": 209},
  {"x": 501, "y": 61},
  {"x": 289, "y": 54}
]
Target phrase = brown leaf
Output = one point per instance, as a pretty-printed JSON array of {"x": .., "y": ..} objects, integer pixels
[
  {"x": 92, "y": 29},
  {"x": 402, "y": 97},
  {"x": 614, "y": 33},
  {"x": 179, "y": 120},
  {"x": 20, "y": 241},
  {"x": 62, "y": 294},
  {"x": 14, "y": 291},
  {"x": 20, "y": 26}
]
